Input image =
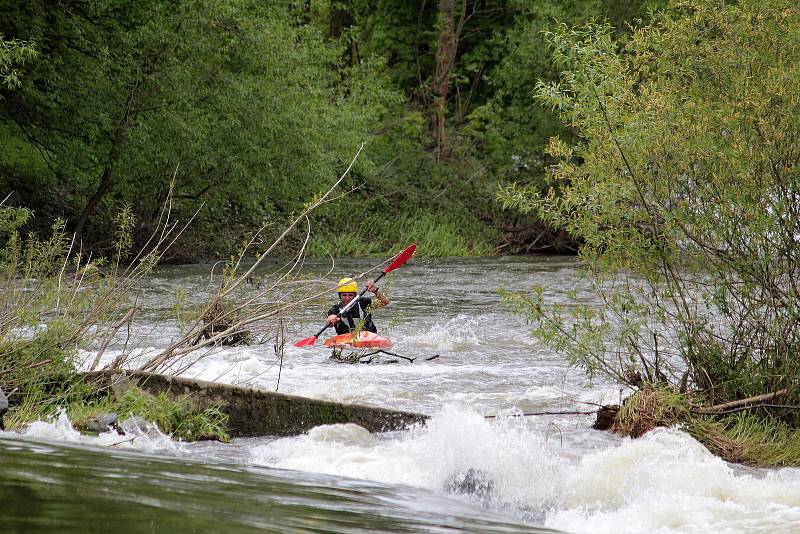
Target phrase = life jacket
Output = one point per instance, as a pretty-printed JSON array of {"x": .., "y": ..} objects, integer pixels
[{"x": 351, "y": 318}]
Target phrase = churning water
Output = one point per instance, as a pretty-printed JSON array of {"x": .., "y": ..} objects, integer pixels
[{"x": 461, "y": 471}]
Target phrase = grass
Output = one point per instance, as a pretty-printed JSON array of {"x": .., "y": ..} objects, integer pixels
[
  {"x": 749, "y": 439},
  {"x": 649, "y": 408},
  {"x": 45, "y": 394},
  {"x": 746, "y": 437},
  {"x": 436, "y": 235}
]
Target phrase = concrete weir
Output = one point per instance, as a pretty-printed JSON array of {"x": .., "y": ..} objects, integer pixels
[{"x": 255, "y": 412}]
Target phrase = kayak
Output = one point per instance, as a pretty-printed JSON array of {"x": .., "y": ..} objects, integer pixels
[{"x": 365, "y": 340}]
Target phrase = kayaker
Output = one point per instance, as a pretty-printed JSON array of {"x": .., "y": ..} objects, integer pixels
[{"x": 348, "y": 289}]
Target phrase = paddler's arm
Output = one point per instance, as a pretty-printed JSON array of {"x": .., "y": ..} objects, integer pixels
[
  {"x": 333, "y": 315},
  {"x": 383, "y": 300}
]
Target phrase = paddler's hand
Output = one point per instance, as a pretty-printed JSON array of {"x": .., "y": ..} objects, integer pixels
[
  {"x": 383, "y": 300},
  {"x": 333, "y": 319}
]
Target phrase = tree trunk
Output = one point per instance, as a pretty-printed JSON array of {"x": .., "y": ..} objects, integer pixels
[
  {"x": 341, "y": 20},
  {"x": 445, "y": 58},
  {"x": 105, "y": 178}
]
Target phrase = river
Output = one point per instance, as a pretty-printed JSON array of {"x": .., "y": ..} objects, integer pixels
[{"x": 461, "y": 472}]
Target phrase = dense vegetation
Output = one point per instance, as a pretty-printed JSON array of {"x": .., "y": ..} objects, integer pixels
[
  {"x": 682, "y": 184},
  {"x": 252, "y": 108}
]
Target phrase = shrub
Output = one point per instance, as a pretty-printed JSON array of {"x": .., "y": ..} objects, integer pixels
[{"x": 682, "y": 186}]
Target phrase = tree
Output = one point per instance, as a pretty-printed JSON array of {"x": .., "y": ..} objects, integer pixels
[
  {"x": 512, "y": 127},
  {"x": 683, "y": 185},
  {"x": 340, "y": 23},
  {"x": 235, "y": 95},
  {"x": 445, "y": 58},
  {"x": 438, "y": 52}
]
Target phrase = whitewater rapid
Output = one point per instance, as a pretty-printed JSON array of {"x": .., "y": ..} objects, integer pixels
[{"x": 548, "y": 470}]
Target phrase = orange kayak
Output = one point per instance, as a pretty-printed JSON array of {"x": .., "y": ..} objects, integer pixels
[{"x": 366, "y": 340}]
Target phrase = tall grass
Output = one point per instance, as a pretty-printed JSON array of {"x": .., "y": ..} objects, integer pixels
[
  {"x": 436, "y": 235},
  {"x": 750, "y": 439}
]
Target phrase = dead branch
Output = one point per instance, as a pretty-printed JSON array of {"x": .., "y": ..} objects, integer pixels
[
  {"x": 128, "y": 316},
  {"x": 758, "y": 399}
]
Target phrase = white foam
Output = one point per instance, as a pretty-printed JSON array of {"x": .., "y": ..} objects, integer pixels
[
  {"x": 145, "y": 437},
  {"x": 667, "y": 482},
  {"x": 457, "y": 333},
  {"x": 348, "y": 434},
  {"x": 664, "y": 482},
  {"x": 134, "y": 358},
  {"x": 452, "y": 441}
]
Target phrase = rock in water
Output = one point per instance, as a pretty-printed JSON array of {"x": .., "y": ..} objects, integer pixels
[
  {"x": 472, "y": 482},
  {"x": 103, "y": 423}
]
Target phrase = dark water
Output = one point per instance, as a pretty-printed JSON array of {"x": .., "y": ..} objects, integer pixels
[{"x": 52, "y": 487}]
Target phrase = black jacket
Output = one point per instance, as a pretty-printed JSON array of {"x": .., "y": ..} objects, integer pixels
[{"x": 350, "y": 319}]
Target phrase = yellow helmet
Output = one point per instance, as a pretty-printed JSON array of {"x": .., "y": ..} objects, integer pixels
[{"x": 348, "y": 285}]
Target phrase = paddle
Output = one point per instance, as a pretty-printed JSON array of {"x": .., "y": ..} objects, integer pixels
[{"x": 399, "y": 261}]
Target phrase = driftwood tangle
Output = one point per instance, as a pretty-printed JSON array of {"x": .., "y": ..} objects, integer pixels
[{"x": 217, "y": 319}]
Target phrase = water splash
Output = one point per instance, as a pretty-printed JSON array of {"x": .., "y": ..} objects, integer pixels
[
  {"x": 139, "y": 434},
  {"x": 668, "y": 482},
  {"x": 428, "y": 456},
  {"x": 665, "y": 482}
]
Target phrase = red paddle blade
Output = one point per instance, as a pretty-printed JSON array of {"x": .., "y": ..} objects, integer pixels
[
  {"x": 306, "y": 342},
  {"x": 401, "y": 259}
]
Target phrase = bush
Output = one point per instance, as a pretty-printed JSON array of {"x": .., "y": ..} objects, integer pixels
[
  {"x": 683, "y": 188},
  {"x": 54, "y": 303}
]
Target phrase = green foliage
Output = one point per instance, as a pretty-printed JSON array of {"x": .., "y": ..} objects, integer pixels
[
  {"x": 39, "y": 375},
  {"x": 403, "y": 33},
  {"x": 54, "y": 304},
  {"x": 246, "y": 110},
  {"x": 511, "y": 129},
  {"x": 408, "y": 197},
  {"x": 252, "y": 109},
  {"x": 12, "y": 54},
  {"x": 50, "y": 313},
  {"x": 47, "y": 315},
  {"x": 124, "y": 224},
  {"x": 581, "y": 332},
  {"x": 435, "y": 235},
  {"x": 682, "y": 185}
]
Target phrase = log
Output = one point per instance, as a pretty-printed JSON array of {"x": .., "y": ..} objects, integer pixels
[
  {"x": 255, "y": 412},
  {"x": 741, "y": 402}
]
